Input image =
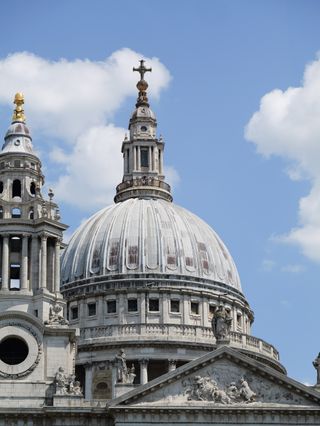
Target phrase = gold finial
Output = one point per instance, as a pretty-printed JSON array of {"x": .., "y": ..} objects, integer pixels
[
  {"x": 18, "y": 114},
  {"x": 142, "y": 85}
]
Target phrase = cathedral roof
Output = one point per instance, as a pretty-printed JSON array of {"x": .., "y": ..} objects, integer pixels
[{"x": 148, "y": 236}]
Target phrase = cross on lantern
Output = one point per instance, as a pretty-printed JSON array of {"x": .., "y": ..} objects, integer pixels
[{"x": 142, "y": 69}]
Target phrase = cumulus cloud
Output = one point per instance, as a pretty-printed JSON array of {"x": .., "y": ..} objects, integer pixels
[
  {"x": 287, "y": 125},
  {"x": 75, "y": 102}
]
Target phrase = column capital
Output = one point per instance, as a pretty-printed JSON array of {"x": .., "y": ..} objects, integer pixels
[
  {"x": 58, "y": 240},
  {"x": 44, "y": 235},
  {"x": 5, "y": 235},
  {"x": 25, "y": 234},
  {"x": 143, "y": 361}
]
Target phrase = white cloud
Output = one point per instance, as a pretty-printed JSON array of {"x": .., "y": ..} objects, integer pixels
[
  {"x": 75, "y": 101},
  {"x": 287, "y": 125},
  {"x": 293, "y": 268}
]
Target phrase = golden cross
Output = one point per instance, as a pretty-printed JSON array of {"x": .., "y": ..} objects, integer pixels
[{"x": 142, "y": 69}]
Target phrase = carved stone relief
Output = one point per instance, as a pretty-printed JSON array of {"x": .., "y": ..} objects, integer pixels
[{"x": 225, "y": 383}]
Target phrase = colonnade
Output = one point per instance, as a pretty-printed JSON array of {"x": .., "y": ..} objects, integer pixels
[
  {"x": 136, "y": 157},
  {"x": 37, "y": 277}
]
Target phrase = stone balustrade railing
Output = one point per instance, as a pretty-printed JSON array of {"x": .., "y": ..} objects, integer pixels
[{"x": 174, "y": 332}]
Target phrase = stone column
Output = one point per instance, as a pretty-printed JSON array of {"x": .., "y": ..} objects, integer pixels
[
  {"x": 161, "y": 162},
  {"x": 134, "y": 151},
  {"x": 234, "y": 319},
  {"x": 57, "y": 265},
  {"x": 172, "y": 364},
  {"x": 88, "y": 381},
  {"x": 24, "y": 262},
  {"x": 139, "y": 159},
  {"x": 43, "y": 283},
  {"x": 143, "y": 371},
  {"x": 34, "y": 272},
  {"x": 150, "y": 159},
  {"x": 5, "y": 262}
]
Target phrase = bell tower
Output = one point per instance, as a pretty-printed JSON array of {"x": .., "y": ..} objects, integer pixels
[
  {"x": 35, "y": 339},
  {"x": 143, "y": 174}
]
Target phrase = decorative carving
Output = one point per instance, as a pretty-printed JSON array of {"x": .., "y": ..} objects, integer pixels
[
  {"x": 55, "y": 317},
  {"x": 66, "y": 385},
  {"x": 221, "y": 324},
  {"x": 207, "y": 389},
  {"x": 125, "y": 375}
]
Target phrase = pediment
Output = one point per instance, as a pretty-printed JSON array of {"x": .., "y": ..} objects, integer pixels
[{"x": 224, "y": 377}]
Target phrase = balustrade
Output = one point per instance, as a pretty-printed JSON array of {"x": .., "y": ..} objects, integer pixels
[{"x": 174, "y": 332}]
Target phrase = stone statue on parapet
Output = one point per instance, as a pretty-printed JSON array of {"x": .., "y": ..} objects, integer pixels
[
  {"x": 316, "y": 364},
  {"x": 66, "y": 385},
  {"x": 221, "y": 324},
  {"x": 55, "y": 316},
  {"x": 125, "y": 375}
]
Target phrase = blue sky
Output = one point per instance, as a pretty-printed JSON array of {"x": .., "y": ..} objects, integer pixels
[{"x": 216, "y": 61}]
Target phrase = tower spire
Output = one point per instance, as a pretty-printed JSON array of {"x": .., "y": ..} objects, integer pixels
[
  {"x": 142, "y": 85},
  {"x": 18, "y": 113},
  {"x": 143, "y": 152}
]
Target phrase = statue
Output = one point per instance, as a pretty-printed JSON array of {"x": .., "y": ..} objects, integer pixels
[
  {"x": 221, "y": 324},
  {"x": 61, "y": 382},
  {"x": 131, "y": 374},
  {"x": 66, "y": 385},
  {"x": 316, "y": 364},
  {"x": 207, "y": 389},
  {"x": 55, "y": 317},
  {"x": 125, "y": 375},
  {"x": 245, "y": 392},
  {"x": 121, "y": 364}
]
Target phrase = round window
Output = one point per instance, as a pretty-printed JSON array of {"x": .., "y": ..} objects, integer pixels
[
  {"x": 13, "y": 350},
  {"x": 144, "y": 128}
]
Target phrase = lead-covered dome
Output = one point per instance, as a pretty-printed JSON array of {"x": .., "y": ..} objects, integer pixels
[{"x": 147, "y": 236}]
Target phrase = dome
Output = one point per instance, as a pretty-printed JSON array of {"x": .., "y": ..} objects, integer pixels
[
  {"x": 148, "y": 236},
  {"x": 18, "y": 139}
]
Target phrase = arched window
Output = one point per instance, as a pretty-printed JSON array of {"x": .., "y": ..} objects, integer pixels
[
  {"x": 1, "y": 212},
  {"x": 33, "y": 188},
  {"x": 31, "y": 213},
  {"x": 16, "y": 188},
  {"x": 15, "y": 213}
]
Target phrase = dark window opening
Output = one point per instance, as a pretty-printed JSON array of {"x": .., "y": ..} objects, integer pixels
[
  {"x": 195, "y": 308},
  {"x": 154, "y": 305},
  {"x": 31, "y": 213},
  {"x": 16, "y": 163},
  {"x": 144, "y": 157},
  {"x": 16, "y": 213},
  {"x": 1, "y": 212},
  {"x": 33, "y": 188},
  {"x": 132, "y": 305},
  {"x": 1, "y": 187},
  {"x": 36, "y": 313},
  {"x": 15, "y": 244},
  {"x": 111, "y": 306},
  {"x": 13, "y": 350},
  {"x": 92, "y": 309},
  {"x": 74, "y": 312},
  {"x": 2, "y": 165},
  {"x": 14, "y": 276},
  {"x": 143, "y": 128},
  {"x": 16, "y": 188},
  {"x": 174, "y": 306}
]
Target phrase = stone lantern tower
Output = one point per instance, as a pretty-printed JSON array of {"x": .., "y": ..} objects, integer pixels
[{"x": 35, "y": 339}]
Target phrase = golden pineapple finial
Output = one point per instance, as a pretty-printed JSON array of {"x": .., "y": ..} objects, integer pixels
[{"x": 18, "y": 114}]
